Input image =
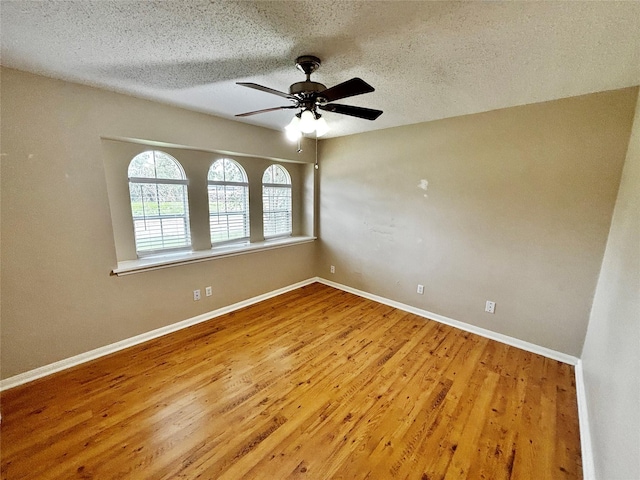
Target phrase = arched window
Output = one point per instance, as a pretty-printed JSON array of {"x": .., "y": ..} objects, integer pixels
[
  {"x": 228, "y": 202},
  {"x": 276, "y": 201},
  {"x": 158, "y": 190}
]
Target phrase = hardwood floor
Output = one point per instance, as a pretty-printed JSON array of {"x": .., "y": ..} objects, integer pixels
[{"x": 316, "y": 383}]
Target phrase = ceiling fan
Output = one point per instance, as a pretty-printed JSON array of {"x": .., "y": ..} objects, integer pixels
[{"x": 310, "y": 96}]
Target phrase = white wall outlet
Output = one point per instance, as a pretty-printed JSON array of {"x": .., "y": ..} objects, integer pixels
[
  {"x": 420, "y": 289},
  {"x": 208, "y": 292},
  {"x": 490, "y": 307},
  {"x": 333, "y": 269},
  {"x": 196, "y": 295}
]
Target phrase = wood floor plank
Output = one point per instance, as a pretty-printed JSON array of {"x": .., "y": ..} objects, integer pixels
[
  {"x": 316, "y": 383},
  {"x": 431, "y": 439},
  {"x": 373, "y": 398},
  {"x": 498, "y": 439},
  {"x": 335, "y": 399}
]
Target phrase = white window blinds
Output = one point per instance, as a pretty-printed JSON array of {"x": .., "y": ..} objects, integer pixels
[
  {"x": 228, "y": 202},
  {"x": 159, "y": 205},
  {"x": 276, "y": 201}
]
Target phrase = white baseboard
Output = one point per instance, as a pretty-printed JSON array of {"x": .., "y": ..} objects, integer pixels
[
  {"x": 144, "y": 337},
  {"x": 588, "y": 467},
  {"x": 514, "y": 342},
  {"x": 129, "y": 342}
]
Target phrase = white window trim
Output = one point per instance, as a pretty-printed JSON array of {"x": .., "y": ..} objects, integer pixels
[
  {"x": 235, "y": 184},
  {"x": 232, "y": 184},
  {"x": 156, "y": 262},
  {"x": 164, "y": 181},
  {"x": 279, "y": 185},
  {"x": 160, "y": 181}
]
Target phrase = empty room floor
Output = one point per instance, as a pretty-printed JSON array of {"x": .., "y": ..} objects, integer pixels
[{"x": 316, "y": 383}]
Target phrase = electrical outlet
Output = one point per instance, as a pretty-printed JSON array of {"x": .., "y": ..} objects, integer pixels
[
  {"x": 333, "y": 269},
  {"x": 490, "y": 307},
  {"x": 420, "y": 289},
  {"x": 208, "y": 292},
  {"x": 196, "y": 295}
]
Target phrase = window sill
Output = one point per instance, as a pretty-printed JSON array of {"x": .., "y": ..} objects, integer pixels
[{"x": 156, "y": 262}]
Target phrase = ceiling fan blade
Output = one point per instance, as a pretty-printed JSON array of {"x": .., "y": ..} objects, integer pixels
[
  {"x": 355, "y": 86},
  {"x": 247, "y": 114},
  {"x": 360, "y": 112},
  {"x": 266, "y": 89}
]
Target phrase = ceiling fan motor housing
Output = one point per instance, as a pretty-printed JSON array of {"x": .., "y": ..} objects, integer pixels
[
  {"x": 306, "y": 87},
  {"x": 307, "y": 91}
]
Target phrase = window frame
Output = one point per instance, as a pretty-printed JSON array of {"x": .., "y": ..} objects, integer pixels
[
  {"x": 161, "y": 181},
  {"x": 289, "y": 187},
  {"x": 224, "y": 183}
]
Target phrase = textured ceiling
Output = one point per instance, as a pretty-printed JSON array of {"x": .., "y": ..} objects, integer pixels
[{"x": 426, "y": 60}]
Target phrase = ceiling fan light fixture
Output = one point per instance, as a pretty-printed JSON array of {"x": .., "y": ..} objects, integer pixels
[{"x": 306, "y": 121}]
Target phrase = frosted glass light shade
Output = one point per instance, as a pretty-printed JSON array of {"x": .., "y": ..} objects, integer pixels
[
  {"x": 307, "y": 122},
  {"x": 293, "y": 124},
  {"x": 321, "y": 127},
  {"x": 293, "y": 134},
  {"x": 292, "y": 130}
]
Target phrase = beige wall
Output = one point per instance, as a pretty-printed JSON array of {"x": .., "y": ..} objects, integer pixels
[
  {"x": 58, "y": 299},
  {"x": 517, "y": 211},
  {"x": 611, "y": 354}
]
